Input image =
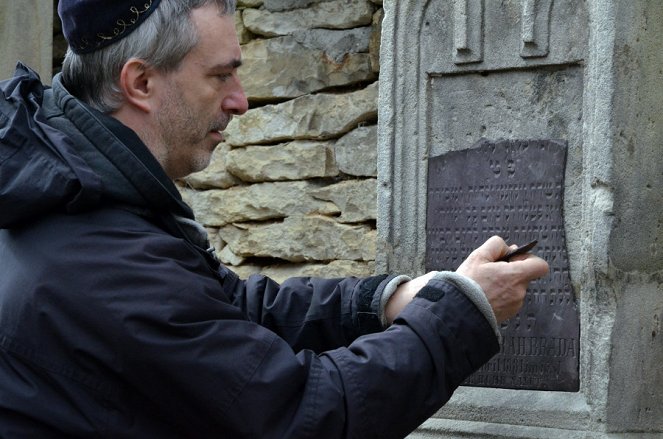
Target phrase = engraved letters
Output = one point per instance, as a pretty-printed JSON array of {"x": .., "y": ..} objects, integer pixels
[{"x": 513, "y": 189}]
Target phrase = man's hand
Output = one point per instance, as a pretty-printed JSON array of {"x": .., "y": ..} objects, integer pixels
[{"x": 504, "y": 283}]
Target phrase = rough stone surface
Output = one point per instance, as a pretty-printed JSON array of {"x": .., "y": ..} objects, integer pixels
[
  {"x": 250, "y": 3},
  {"x": 287, "y": 5},
  {"x": 300, "y": 238},
  {"x": 357, "y": 199},
  {"x": 293, "y": 69},
  {"x": 215, "y": 175},
  {"x": 298, "y": 160},
  {"x": 356, "y": 152},
  {"x": 376, "y": 36},
  {"x": 281, "y": 272},
  {"x": 243, "y": 34},
  {"x": 336, "y": 44},
  {"x": 23, "y": 36},
  {"x": 321, "y": 116},
  {"x": 258, "y": 202},
  {"x": 227, "y": 257},
  {"x": 338, "y": 14}
]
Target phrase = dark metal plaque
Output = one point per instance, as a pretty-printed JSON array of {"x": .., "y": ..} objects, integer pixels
[{"x": 514, "y": 189}]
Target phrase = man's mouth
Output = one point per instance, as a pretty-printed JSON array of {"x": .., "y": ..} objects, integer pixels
[
  {"x": 217, "y": 129},
  {"x": 217, "y": 135}
]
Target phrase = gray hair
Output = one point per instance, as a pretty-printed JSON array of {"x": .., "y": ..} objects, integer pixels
[{"x": 162, "y": 41}]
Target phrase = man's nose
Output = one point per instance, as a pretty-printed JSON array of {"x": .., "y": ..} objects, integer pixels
[{"x": 235, "y": 102}]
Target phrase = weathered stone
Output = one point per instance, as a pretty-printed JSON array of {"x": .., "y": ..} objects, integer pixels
[
  {"x": 280, "y": 273},
  {"x": 243, "y": 34},
  {"x": 227, "y": 256},
  {"x": 300, "y": 238},
  {"x": 26, "y": 35},
  {"x": 186, "y": 192},
  {"x": 338, "y": 14},
  {"x": 376, "y": 36},
  {"x": 287, "y": 5},
  {"x": 258, "y": 202},
  {"x": 249, "y": 3},
  {"x": 356, "y": 152},
  {"x": 336, "y": 44},
  {"x": 357, "y": 199},
  {"x": 285, "y": 68},
  {"x": 214, "y": 238},
  {"x": 215, "y": 175},
  {"x": 296, "y": 160},
  {"x": 377, "y": 2},
  {"x": 321, "y": 116},
  {"x": 246, "y": 270}
]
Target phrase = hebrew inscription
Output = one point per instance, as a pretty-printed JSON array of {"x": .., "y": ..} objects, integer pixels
[{"x": 513, "y": 189}]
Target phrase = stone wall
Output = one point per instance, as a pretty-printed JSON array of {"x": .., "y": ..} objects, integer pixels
[
  {"x": 25, "y": 35},
  {"x": 292, "y": 190}
]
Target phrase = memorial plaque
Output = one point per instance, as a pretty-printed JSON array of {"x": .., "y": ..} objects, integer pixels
[{"x": 513, "y": 189}]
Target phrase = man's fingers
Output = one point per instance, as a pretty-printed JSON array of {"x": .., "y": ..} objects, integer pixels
[
  {"x": 491, "y": 250},
  {"x": 532, "y": 267}
]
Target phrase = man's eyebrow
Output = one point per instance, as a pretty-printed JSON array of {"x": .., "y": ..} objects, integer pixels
[{"x": 234, "y": 64}]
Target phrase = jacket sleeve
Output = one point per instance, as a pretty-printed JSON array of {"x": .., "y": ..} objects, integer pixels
[
  {"x": 215, "y": 373},
  {"x": 311, "y": 313},
  {"x": 151, "y": 316}
]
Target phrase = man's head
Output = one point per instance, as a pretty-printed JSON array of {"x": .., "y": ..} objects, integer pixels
[
  {"x": 171, "y": 76},
  {"x": 103, "y": 35}
]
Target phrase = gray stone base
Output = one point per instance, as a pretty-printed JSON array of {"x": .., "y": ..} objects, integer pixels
[{"x": 441, "y": 428}]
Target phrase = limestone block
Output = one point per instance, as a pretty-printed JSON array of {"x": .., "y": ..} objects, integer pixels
[
  {"x": 229, "y": 258},
  {"x": 302, "y": 238},
  {"x": 357, "y": 199},
  {"x": 356, "y": 152},
  {"x": 336, "y": 44},
  {"x": 376, "y": 36},
  {"x": 258, "y": 202},
  {"x": 296, "y": 160},
  {"x": 246, "y": 270},
  {"x": 321, "y": 116},
  {"x": 280, "y": 273},
  {"x": 187, "y": 193},
  {"x": 243, "y": 34},
  {"x": 249, "y": 3},
  {"x": 338, "y": 14},
  {"x": 284, "y": 67},
  {"x": 215, "y": 175},
  {"x": 287, "y": 5},
  {"x": 214, "y": 238}
]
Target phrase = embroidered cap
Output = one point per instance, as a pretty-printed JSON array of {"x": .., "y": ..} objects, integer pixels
[{"x": 89, "y": 25}]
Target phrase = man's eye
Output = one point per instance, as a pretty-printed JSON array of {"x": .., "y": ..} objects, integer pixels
[{"x": 224, "y": 76}]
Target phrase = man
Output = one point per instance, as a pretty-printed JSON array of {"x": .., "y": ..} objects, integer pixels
[{"x": 116, "y": 320}]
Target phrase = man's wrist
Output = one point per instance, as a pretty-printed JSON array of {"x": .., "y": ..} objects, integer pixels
[{"x": 387, "y": 299}]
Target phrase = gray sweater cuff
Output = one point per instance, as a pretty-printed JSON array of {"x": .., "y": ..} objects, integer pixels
[
  {"x": 389, "y": 291},
  {"x": 473, "y": 292}
]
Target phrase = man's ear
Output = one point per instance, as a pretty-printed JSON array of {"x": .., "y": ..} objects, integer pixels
[{"x": 137, "y": 84}]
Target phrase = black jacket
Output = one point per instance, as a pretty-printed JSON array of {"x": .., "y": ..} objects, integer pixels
[{"x": 115, "y": 321}]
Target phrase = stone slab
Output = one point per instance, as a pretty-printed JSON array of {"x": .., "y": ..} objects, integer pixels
[{"x": 513, "y": 189}]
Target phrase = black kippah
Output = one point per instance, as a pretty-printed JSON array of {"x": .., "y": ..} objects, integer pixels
[{"x": 89, "y": 25}]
